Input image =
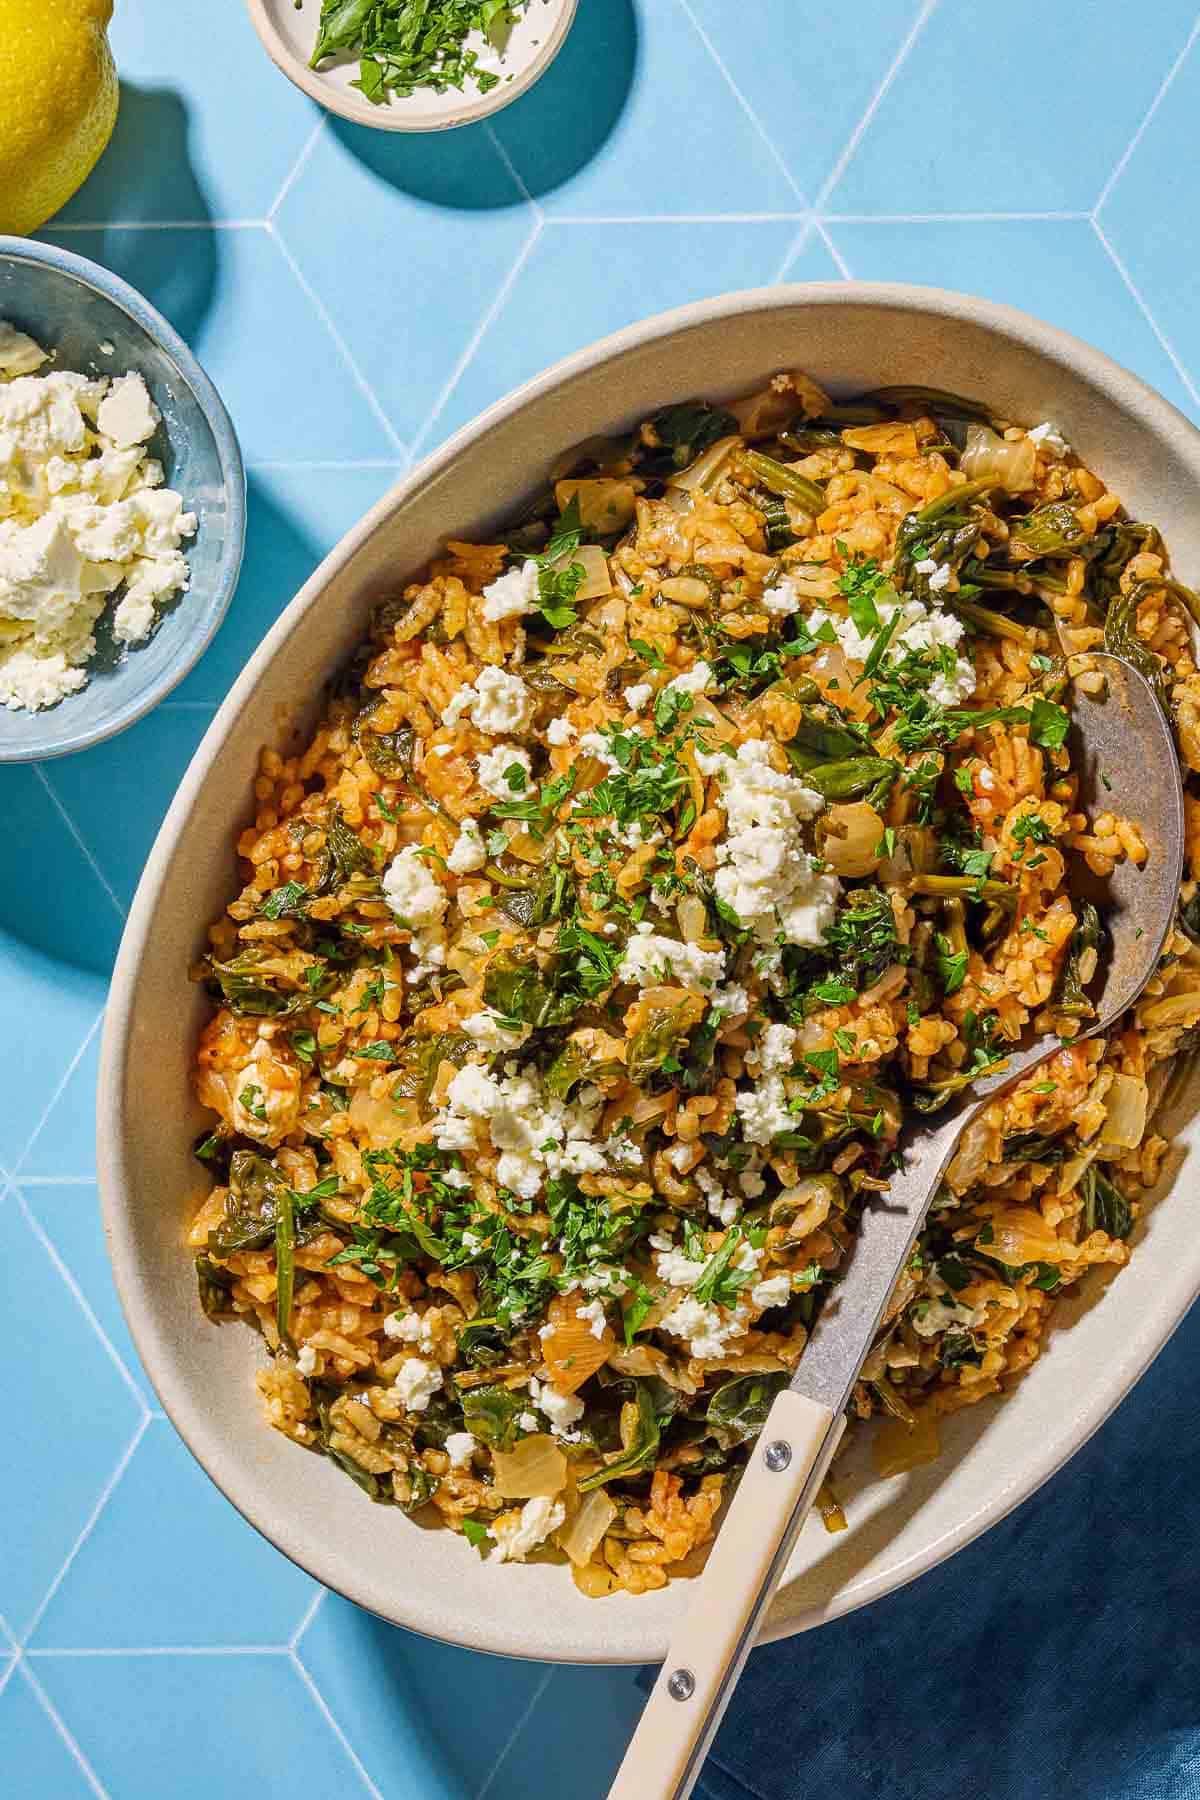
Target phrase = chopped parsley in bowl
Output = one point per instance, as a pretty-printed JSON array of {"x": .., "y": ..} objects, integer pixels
[{"x": 648, "y": 869}]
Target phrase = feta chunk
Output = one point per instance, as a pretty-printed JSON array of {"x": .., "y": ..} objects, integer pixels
[
  {"x": 127, "y": 415},
  {"x": 492, "y": 771},
  {"x": 460, "y": 1448},
  {"x": 515, "y": 1538},
  {"x": 647, "y": 955},
  {"x": 412, "y": 891},
  {"x": 468, "y": 852},
  {"x": 496, "y": 703},
  {"x": 511, "y": 594},
  {"x": 416, "y": 1383}
]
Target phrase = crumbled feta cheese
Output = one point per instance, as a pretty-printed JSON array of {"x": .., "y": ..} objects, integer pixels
[
  {"x": 763, "y": 1111},
  {"x": 696, "y": 680},
  {"x": 657, "y": 1241},
  {"x": 411, "y": 890},
  {"x": 594, "y": 1313},
  {"x": 782, "y": 598},
  {"x": 774, "y": 1050},
  {"x": 637, "y": 696},
  {"x": 468, "y": 852},
  {"x": 528, "y": 1421},
  {"x": 460, "y": 1448},
  {"x": 751, "y": 1184},
  {"x": 594, "y": 743},
  {"x": 457, "y": 1178},
  {"x": 677, "y": 1268},
  {"x": 515, "y": 1538},
  {"x": 764, "y": 872},
  {"x": 416, "y": 1383},
  {"x": 722, "y": 1206},
  {"x": 473, "y": 1091},
  {"x": 941, "y": 578},
  {"x": 496, "y": 702},
  {"x": 511, "y": 594},
  {"x": 731, "y": 999},
  {"x": 83, "y": 513},
  {"x": 406, "y": 1327},
  {"x": 492, "y": 771},
  {"x": 127, "y": 415},
  {"x": 1047, "y": 436},
  {"x": 647, "y": 956},
  {"x": 535, "y": 1133},
  {"x": 560, "y": 731},
  {"x": 306, "y": 1360},
  {"x": 774, "y": 1291},
  {"x": 679, "y": 1155},
  {"x": 707, "y": 1328},
  {"x": 563, "y": 1410},
  {"x": 491, "y": 1031}
]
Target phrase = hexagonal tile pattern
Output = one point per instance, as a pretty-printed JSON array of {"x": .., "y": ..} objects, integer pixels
[
  {"x": 295, "y": 395},
  {"x": 809, "y": 103},
  {"x": 1150, "y": 218},
  {"x": 444, "y": 233},
  {"x": 933, "y": 145},
  {"x": 647, "y": 266},
  {"x": 135, "y": 1542},
  {"x": 599, "y": 138},
  {"x": 183, "y": 1725},
  {"x": 1055, "y": 268},
  {"x": 356, "y": 296},
  {"x": 83, "y": 1401},
  {"x": 36, "y": 1760}
]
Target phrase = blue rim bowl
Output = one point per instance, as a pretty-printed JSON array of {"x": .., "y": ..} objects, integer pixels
[{"x": 97, "y": 324}]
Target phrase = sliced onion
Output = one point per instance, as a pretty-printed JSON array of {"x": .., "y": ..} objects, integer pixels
[
  {"x": 702, "y": 474},
  {"x": 1013, "y": 465},
  {"x": 1125, "y": 1123},
  {"x": 693, "y": 918},
  {"x": 1021, "y": 1235},
  {"x": 536, "y": 1468},
  {"x": 897, "y": 1447},
  {"x": 571, "y": 1350},
  {"x": 605, "y": 505},
  {"x": 581, "y": 1539}
]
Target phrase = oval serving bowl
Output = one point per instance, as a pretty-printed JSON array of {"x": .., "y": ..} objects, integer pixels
[
  {"x": 996, "y": 1454},
  {"x": 96, "y": 324}
]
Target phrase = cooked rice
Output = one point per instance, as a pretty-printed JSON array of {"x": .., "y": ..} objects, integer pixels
[{"x": 492, "y": 1161}]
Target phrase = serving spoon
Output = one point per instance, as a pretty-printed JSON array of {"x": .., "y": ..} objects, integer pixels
[{"x": 1122, "y": 740}]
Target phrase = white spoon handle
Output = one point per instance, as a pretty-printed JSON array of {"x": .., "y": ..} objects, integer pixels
[{"x": 717, "y": 1633}]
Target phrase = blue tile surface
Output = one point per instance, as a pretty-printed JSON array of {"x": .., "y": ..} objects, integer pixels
[{"x": 357, "y": 296}]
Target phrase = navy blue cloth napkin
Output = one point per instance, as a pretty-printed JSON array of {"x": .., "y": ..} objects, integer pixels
[{"x": 1058, "y": 1658}]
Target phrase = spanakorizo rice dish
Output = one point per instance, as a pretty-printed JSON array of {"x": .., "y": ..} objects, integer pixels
[{"x": 651, "y": 868}]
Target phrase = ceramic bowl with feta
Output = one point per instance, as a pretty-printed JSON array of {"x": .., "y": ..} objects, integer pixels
[
  {"x": 121, "y": 504},
  {"x": 327, "y": 692}
]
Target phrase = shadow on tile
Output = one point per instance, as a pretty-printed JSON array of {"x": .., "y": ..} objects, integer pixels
[
  {"x": 147, "y": 175},
  {"x": 570, "y": 115}
]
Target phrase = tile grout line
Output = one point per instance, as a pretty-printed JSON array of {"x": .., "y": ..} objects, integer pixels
[
  {"x": 840, "y": 263},
  {"x": 735, "y": 90},
  {"x": 343, "y": 348},
  {"x": 514, "y": 174},
  {"x": 162, "y": 225},
  {"x": 310, "y": 1613},
  {"x": 106, "y": 1494},
  {"x": 1159, "y": 333},
  {"x": 952, "y": 218},
  {"x": 477, "y": 336},
  {"x": 55, "y": 1097},
  {"x": 925, "y": 13},
  {"x": 793, "y": 250},
  {"x": 55, "y": 1718},
  {"x": 515, "y": 1733},
  {"x": 1135, "y": 140},
  {"x": 744, "y": 218},
  {"x": 81, "y": 1300},
  {"x": 324, "y": 1709},
  {"x": 298, "y": 166},
  {"x": 84, "y": 848}
]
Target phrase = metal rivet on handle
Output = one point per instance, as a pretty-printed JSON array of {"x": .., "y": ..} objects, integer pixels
[
  {"x": 681, "y": 1684},
  {"x": 777, "y": 1456}
]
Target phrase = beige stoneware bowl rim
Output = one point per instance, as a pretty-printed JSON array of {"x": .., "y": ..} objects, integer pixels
[
  {"x": 1130, "y": 1358},
  {"x": 457, "y": 109}
]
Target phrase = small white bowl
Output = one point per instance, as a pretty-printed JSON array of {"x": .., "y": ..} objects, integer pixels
[{"x": 289, "y": 33}]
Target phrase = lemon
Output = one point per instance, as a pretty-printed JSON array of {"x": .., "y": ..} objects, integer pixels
[{"x": 58, "y": 104}]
